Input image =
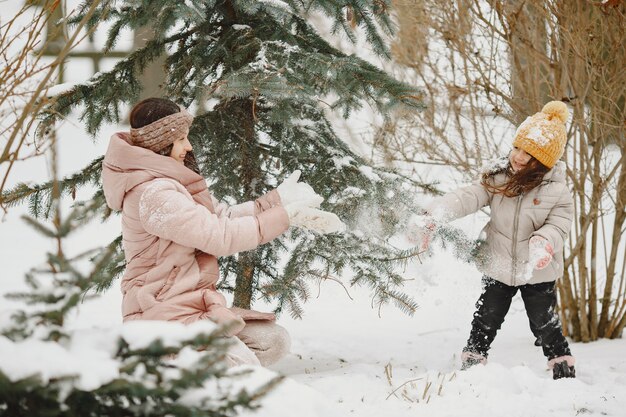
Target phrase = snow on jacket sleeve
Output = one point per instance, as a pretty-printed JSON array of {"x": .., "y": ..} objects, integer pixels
[
  {"x": 459, "y": 203},
  {"x": 167, "y": 212},
  {"x": 249, "y": 208},
  {"x": 559, "y": 221}
]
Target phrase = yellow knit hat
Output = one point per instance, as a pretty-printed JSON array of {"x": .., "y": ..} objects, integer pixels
[{"x": 543, "y": 135}]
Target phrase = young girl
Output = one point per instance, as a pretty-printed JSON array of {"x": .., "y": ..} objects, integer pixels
[
  {"x": 173, "y": 230},
  {"x": 531, "y": 215}
]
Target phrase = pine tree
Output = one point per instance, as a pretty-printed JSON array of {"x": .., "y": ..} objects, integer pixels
[{"x": 267, "y": 77}]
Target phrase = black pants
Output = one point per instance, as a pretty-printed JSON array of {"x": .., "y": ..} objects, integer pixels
[{"x": 540, "y": 303}]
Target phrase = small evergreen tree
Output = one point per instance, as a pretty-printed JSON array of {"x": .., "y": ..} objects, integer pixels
[{"x": 266, "y": 76}]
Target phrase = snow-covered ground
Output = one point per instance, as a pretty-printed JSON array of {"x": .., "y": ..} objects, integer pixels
[
  {"x": 346, "y": 360},
  {"x": 343, "y": 348}
]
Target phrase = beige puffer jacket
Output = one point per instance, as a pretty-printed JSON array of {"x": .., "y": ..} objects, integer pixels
[{"x": 546, "y": 211}]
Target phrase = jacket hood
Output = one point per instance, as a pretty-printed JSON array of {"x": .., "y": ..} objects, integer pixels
[
  {"x": 556, "y": 174},
  {"x": 126, "y": 166}
]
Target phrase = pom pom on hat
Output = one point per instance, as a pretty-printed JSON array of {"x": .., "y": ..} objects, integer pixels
[
  {"x": 556, "y": 109},
  {"x": 543, "y": 135}
]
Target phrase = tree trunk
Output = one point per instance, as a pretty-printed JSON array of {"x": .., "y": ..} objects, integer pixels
[
  {"x": 244, "y": 283},
  {"x": 620, "y": 217},
  {"x": 595, "y": 240},
  {"x": 153, "y": 76},
  {"x": 250, "y": 171},
  {"x": 569, "y": 306}
]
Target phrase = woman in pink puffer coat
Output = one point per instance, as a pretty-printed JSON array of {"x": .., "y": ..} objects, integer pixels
[{"x": 173, "y": 230}]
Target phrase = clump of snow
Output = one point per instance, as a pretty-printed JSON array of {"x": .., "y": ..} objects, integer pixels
[
  {"x": 89, "y": 354},
  {"x": 538, "y": 136},
  {"x": 264, "y": 138},
  {"x": 440, "y": 213},
  {"x": 538, "y": 132},
  {"x": 354, "y": 191},
  {"x": 420, "y": 220},
  {"x": 303, "y": 122},
  {"x": 261, "y": 61},
  {"x": 369, "y": 173},
  {"x": 343, "y": 161},
  {"x": 91, "y": 365},
  {"x": 211, "y": 103},
  {"x": 348, "y": 193},
  {"x": 496, "y": 165},
  {"x": 367, "y": 220},
  {"x": 60, "y": 88},
  {"x": 139, "y": 334},
  {"x": 414, "y": 233}
]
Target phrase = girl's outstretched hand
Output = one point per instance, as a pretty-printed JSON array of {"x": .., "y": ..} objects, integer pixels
[
  {"x": 293, "y": 192},
  {"x": 420, "y": 230},
  {"x": 540, "y": 252}
]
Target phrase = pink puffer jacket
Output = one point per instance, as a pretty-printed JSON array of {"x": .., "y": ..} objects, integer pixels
[{"x": 173, "y": 231}]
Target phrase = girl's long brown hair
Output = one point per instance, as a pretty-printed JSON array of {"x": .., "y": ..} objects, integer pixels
[{"x": 517, "y": 183}]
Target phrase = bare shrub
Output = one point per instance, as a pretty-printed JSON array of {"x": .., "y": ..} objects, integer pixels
[{"x": 489, "y": 64}]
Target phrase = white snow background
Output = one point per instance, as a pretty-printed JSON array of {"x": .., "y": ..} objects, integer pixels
[{"x": 346, "y": 359}]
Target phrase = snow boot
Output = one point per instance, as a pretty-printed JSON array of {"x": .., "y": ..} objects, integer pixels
[
  {"x": 469, "y": 359},
  {"x": 563, "y": 370},
  {"x": 562, "y": 367}
]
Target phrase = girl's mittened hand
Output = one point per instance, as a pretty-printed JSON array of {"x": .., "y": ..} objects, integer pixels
[
  {"x": 313, "y": 219},
  {"x": 540, "y": 252},
  {"x": 420, "y": 230},
  {"x": 291, "y": 191}
]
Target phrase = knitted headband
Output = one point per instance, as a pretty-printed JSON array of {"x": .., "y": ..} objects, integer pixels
[{"x": 163, "y": 132}]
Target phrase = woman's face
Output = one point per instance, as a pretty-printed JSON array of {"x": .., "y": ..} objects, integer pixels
[
  {"x": 180, "y": 148},
  {"x": 518, "y": 159}
]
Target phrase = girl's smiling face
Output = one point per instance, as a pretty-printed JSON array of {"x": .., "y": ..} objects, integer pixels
[
  {"x": 180, "y": 148},
  {"x": 518, "y": 159}
]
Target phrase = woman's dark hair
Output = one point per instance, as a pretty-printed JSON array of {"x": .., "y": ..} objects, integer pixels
[
  {"x": 152, "y": 109},
  {"x": 518, "y": 182}
]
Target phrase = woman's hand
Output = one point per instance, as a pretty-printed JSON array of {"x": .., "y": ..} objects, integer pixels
[
  {"x": 540, "y": 252},
  {"x": 302, "y": 202},
  {"x": 314, "y": 219},
  {"x": 293, "y": 192}
]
